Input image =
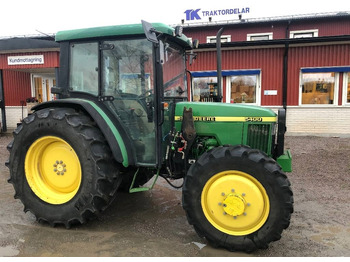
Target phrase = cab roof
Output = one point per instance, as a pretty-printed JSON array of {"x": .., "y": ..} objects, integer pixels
[{"x": 118, "y": 30}]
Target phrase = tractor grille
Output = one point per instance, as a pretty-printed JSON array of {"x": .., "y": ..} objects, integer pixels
[{"x": 258, "y": 136}]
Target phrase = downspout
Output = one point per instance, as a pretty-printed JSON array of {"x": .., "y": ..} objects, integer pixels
[
  {"x": 218, "y": 61},
  {"x": 282, "y": 113},
  {"x": 285, "y": 69},
  {"x": 2, "y": 105}
]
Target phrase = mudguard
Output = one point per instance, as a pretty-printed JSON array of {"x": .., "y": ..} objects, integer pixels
[{"x": 113, "y": 136}]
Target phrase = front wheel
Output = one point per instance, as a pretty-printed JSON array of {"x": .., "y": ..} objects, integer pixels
[{"x": 238, "y": 198}]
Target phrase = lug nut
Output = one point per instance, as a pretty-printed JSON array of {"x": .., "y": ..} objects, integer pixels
[
  {"x": 243, "y": 194},
  {"x": 223, "y": 194}
]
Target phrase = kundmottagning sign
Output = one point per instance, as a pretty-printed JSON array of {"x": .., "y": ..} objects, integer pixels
[{"x": 25, "y": 60}]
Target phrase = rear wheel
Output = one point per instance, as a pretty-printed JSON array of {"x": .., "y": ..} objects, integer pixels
[
  {"x": 238, "y": 198},
  {"x": 61, "y": 167}
]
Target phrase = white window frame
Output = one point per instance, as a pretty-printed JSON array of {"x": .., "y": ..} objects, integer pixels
[
  {"x": 269, "y": 35},
  {"x": 257, "y": 92},
  {"x": 223, "y": 37},
  {"x": 192, "y": 83},
  {"x": 336, "y": 91},
  {"x": 313, "y": 31},
  {"x": 346, "y": 81},
  {"x": 44, "y": 77}
]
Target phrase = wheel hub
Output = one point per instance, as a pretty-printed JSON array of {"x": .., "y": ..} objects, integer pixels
[
  {"x": 59, "y": 167},
  {"x": 235, "y": 202},
  {"x": 234, "y": 205}
]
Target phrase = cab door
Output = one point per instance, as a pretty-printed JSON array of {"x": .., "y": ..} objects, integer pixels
[{"x": 127, "y": 72}]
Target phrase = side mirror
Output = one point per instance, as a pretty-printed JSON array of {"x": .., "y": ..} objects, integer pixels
[
  {"x": 195, "y": 44},
  {"x": 150, "y": 32}
]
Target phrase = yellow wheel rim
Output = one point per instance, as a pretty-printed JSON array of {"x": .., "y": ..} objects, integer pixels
[
  {"x": 53, "y": 170},
  {"x": 235, "y": 203}
]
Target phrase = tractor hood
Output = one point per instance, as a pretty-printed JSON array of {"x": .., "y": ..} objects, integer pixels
[{"x": 219, "y": 112}]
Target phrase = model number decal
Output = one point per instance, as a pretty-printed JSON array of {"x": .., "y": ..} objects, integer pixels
[
  {"x": 229, "y": 119},
  {"x": 253, "y": 119}
]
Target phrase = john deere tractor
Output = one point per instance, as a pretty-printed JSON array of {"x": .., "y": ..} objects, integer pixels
[{"x": 123, "y": 119}]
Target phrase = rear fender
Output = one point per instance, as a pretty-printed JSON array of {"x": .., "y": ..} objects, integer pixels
[{"x": 112, "y": 134}]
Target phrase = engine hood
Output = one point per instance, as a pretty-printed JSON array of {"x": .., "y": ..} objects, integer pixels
[{"x": 220, "y": 112}]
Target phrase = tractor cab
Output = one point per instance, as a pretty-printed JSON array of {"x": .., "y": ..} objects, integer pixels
[{"x": 131, "y": 75}]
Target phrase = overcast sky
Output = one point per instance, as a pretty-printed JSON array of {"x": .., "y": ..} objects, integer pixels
[{"x": 27, "y": 17}]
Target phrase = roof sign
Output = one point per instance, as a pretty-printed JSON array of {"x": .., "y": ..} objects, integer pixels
[{"x": 198, "y": 14}]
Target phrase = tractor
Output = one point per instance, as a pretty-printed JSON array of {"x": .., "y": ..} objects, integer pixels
[{"x": 122, "y": 119}]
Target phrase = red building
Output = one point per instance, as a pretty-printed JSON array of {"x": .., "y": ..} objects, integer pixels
[
  {"x": 27, "y": 73},
  {"x": 299, "y": 62}
]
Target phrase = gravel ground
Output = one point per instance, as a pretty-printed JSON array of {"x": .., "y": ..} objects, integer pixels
[{"x": 319, "y": 226}]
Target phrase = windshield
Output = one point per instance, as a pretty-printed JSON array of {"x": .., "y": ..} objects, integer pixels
[{"x": 174, "y": 71}]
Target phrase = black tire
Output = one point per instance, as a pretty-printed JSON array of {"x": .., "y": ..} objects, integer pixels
[
  {"x": 226, "y": 166},
  {"x": 98, "y": 178}
]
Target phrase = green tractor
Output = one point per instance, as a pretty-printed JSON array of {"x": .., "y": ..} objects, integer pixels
[{"x": 123, "y": 117}]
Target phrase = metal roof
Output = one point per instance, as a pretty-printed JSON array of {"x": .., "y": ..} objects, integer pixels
[
  {"x": 25, "y": 43},
  {"x": 328, "y": 15}
]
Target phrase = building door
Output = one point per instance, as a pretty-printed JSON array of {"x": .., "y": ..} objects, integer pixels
[
  {"x": 38, "y": 85},
  {"x": 41, "y": 87}
]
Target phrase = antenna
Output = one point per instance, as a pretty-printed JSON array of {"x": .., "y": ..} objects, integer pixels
[{"x": 45, "y": 34}]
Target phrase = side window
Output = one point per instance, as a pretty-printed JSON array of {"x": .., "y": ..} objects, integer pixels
[
  {"x": 303, "y": 33},
  {"x": 84, "y": 68},
  {"x": 205, "y": 89},
  {"x": 127, "y": 68},
  {"x": 319, "y": 88},
  {"x": 243, "y": 89},
  {"x": 346, "y": 89},
  {"x": 224, "y": 39},
  {"x": 259, "y": 36}
]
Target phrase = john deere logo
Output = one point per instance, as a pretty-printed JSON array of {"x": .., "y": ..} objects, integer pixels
[{"x": 198, "y": 14}]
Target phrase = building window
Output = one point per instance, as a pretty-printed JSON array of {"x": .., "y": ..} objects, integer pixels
[
  {"x": 259, "y": 37},
  {"x": 205, "y": 89},
  {"x": 303, "y": 33},
  {"x": 243, "y": 89},
  {"x": 224, "y": 39},
  {"x": 346, "y": 89},
  {"x": 319, "y": 88}
]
